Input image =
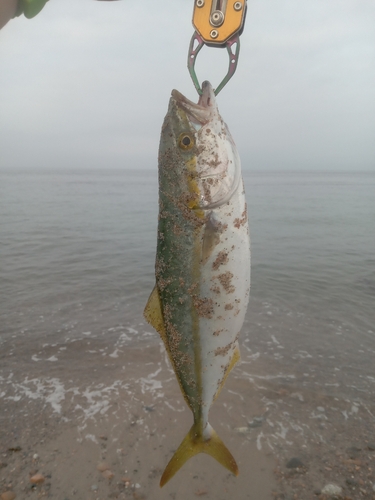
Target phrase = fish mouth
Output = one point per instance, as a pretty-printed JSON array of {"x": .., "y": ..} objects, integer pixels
[{"x": 199, "y": 113}]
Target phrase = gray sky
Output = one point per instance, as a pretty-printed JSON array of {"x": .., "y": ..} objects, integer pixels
[{"x": 86, "y": 84}]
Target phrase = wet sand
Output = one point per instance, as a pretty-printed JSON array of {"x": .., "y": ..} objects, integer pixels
[
  {"x": 68, "y": 409},
  {"x": 81, "y": 402}
]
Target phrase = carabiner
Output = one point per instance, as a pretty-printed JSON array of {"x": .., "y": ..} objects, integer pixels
[
  {"x": 233, "y": 59},
  {"x": 217, "y": 23}
]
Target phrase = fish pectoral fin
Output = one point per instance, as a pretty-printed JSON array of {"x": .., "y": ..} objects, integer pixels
[
  {"x": 211, "y": 237},
  {"x": 195, "y": 443},
  {"x": 154, "y": 315}
]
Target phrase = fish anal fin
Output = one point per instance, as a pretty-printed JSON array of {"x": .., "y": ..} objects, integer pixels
[
  {"x": 194, "y": 443},
  {"x": 234, "y": 360}
]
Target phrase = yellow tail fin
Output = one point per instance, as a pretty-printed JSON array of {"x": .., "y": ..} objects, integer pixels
[{"x": 195, "y": 443}]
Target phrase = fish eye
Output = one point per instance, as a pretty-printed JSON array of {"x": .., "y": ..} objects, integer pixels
[{"x": 185, "y": 141}]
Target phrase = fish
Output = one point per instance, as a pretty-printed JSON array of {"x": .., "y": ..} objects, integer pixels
[{"x": 202, "y": 266}]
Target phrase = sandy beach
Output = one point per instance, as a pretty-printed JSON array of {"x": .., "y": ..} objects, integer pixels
[
  {"x": 98, "y": 419},
  {"x": 98, "y": 424}
]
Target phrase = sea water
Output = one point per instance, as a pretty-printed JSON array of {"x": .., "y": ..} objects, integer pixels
[{"x": 77, "y": 251}]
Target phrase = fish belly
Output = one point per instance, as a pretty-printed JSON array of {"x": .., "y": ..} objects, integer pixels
[{"x": 225, "y": 281}]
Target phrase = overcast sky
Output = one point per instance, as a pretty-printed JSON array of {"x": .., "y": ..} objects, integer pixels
[{"x": 86, "y": 84}]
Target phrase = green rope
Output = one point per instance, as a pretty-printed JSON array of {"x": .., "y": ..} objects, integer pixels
[{"x": 30, "y": 8}]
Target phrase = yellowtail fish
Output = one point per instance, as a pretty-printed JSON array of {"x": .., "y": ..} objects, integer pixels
[{"x": 202, "y": 266}]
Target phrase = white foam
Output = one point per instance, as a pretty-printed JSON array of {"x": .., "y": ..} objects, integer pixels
[
  {"x": 304, "y": 354},
  {"x": 114, "y": 354},
  {"x": 237, "y": 394},
  {"x": 148, "y": 384},
  {"x": 57, "y": 396},
  {"x": 253, "y": 357},
  {"x": 270, "y": 377},
  {"x": 123, "y": 336},
  {"x": 283, "y": 430},
  {"x": 259, "y": 444},
  {"x": 320, "y": 415},
  {"x": 172, "y": 407},
  {"x": 38, "y": 388},
  {"x": 297, "y": 395},
  {"x": 91, "y": 437},
  {"x": 14, "y": 398}
]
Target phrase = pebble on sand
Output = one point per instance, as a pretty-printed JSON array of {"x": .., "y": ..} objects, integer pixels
[
  {"x": 102, "y": 467},
  {"x": 37, "y": 479},
  {"x": 332, "y": 490},
  {"x": 107, "y": 474},
  {"x": 8, "y": 495},
  {"x": 351, "y": 482},
  {"x": 294, "y": 463}
]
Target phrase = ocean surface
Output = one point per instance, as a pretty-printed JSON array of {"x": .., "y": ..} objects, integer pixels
[{"x": 77, "y": 252}]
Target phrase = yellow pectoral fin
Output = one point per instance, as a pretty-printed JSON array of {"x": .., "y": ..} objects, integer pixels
[
  {"x": 195, "y": 443},
  {"x": 154, "y": 315},
  {"x": 211, "y": 237}
]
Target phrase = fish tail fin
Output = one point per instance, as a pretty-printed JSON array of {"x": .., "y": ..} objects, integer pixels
[{"x": 194, "y": 443}]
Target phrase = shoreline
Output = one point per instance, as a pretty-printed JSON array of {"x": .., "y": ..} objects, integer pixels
[
  {"x": 126, "y": 415},
  {"x": 75, "y": 403}
]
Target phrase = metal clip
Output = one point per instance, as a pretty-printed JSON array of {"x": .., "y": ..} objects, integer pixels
[
  {"x": 233, "y": 59},
  {"x": 218, "y": 23}
]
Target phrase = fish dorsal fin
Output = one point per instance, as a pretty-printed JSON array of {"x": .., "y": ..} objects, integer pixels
[{"x": 154, "y": 315}]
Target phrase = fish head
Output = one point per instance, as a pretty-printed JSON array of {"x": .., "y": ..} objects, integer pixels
[{"x": 205, "y": 159}]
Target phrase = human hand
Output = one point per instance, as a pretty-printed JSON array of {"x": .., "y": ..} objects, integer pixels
[{"x": 14, "y": 8}]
